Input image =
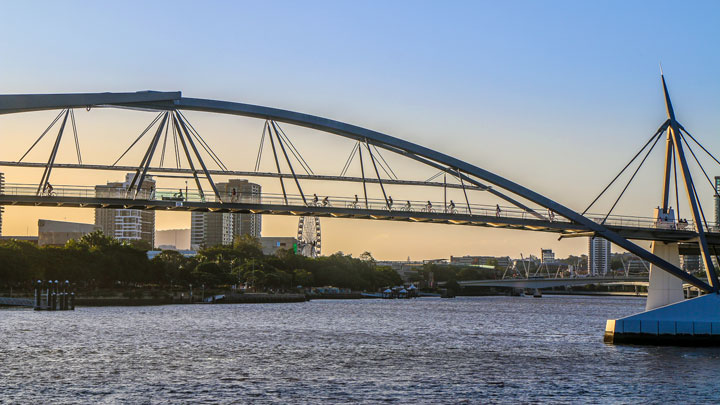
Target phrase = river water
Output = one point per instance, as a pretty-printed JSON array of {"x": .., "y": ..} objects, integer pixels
[{"x": 472, "y": 350}]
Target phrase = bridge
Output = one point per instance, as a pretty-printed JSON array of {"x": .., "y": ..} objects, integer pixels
[
  {"x": 555, "y": 282},
  {"x": 522, "y": 208}
]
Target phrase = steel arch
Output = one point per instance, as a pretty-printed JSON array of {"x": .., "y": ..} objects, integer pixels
[{"x": 173, "y": 100}]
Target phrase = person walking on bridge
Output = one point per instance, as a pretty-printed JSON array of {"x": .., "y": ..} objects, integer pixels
[{"x": 497, "y": 210}]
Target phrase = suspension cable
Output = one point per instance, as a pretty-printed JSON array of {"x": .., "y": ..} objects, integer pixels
[
  {"x": 698, "y": 162},
  {"x": 467, "y": 201},
  {"x": 677, "y": 197},
  {"x": 175, "y": 143},
  {"x": 349, "y": 159},
  {"x": 138, "y": 138},
  {"x": 660, "y": 130},
  {"x": 207, "y": 147},
  {"x": 204, "y": 144},
  {"x": 386, "y": 163},
  {"x": 702, "y": 214},
  {"x": 631, "y": 178},
  {"x": 435, "y": 176},
  {"x": 162, "y": 154},
  {"x": 277, "y": 162},
  {"x": 292, "y": 146},
  {"x": 382, "y": 167},
  {"x": 43, "y": 134},
  {"x": 377, "y": 173},
  {"x": 282, "y": 137},
  {"x": 75, "y": 133},
  {"x": 698, "y": 143},
  {"x": 287, "y": 159},
  {"x": 260, "y": 148}
]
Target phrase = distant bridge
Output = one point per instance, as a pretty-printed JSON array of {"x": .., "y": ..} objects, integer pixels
[{"x": 555, "y": 282}]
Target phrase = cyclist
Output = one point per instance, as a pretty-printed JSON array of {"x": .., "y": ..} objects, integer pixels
[
  {"x": 315, "y": 199},
  {"x": 451, "y": 207},
  {"x": 407, "y": 206},
  {"x": 325, "y": 201},
  {"x": 428, "y": 206}
]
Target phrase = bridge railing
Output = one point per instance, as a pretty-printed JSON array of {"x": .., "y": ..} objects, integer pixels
[{"x": 377, "y": 204}]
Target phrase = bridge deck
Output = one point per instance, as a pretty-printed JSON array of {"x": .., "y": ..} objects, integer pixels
[
  {"x": 554, "y": 282},
  {"x": 275, "y": 206}
]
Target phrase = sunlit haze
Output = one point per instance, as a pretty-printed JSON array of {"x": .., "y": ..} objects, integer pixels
[{"x": 556, "y": 99}]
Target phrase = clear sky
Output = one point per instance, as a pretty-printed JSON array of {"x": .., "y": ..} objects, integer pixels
[{"x": 555, "y": 95}]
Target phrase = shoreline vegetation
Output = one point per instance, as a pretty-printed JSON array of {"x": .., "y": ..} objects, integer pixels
[{"x": 104, "y": 270}]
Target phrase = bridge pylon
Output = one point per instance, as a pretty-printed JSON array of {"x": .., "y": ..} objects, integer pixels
[{"x": 669, "y": 318}]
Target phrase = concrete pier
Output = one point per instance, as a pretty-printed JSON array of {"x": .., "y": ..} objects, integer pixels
[
  {"x": 694, "y": 322},
  {"x": 664, "y": 288}
]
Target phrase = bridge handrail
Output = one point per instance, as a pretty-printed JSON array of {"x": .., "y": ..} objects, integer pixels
[{"x": 461, "y": 208}]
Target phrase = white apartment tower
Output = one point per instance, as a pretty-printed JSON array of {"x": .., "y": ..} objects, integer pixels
[
  {"x": 598, "y": 256},
  {"x": 126, "y": 224},
  {"x": 212, "y": 229}
]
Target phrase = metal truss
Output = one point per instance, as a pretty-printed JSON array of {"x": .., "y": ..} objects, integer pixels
[{"x": 466, "y": 172}]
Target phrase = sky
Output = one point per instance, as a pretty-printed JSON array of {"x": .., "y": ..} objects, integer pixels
[{"x": 555, "y": 95}]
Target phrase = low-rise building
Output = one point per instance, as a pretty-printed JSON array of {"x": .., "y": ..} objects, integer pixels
[
  {"x": 151, "y": 254},
  {"x": 58, "y": 233},
  {"x": 271, "y": 244},
  {"x": 408, "y": 270},
  {"x": 500, "y": 261}
]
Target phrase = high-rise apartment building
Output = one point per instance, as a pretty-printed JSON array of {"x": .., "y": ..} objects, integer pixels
[
  {"x": 2, "y": 190},
  {"x": 212, "y": 229},
  {"x": 126, "y": 224},
  {"x": 691, "y": 263},
  {"x": 598, "y": 256}
]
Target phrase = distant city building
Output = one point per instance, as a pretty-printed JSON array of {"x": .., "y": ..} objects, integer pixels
[
  {"x": 691, "y": 263},
  {"x": 631, "y": 264},
  {"x": 58, "y": 233},
  {"x": 502, "y": 262},
  {"x": 271, "y": 244},
  {"x": 212, "y": 229},
  {"x": 126, "y": 224},
  {"x": 180, "y": 238},
  {"x": 408, "y": 270},
  {"x": 31, "y": 239},
  {"x": 547, "y": 256},
  {"x": 598, "y": 256},
  {"x": 151, "y": 254},
  {"x": 197, "y": 230}
]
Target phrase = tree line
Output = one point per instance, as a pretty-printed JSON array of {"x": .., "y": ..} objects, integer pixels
[{"x": 97, "y": 260}]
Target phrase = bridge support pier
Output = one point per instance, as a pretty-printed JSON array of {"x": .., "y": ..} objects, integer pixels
[
  {"x": 669, "y": 318},
  {"x": 664, "y": 288}
]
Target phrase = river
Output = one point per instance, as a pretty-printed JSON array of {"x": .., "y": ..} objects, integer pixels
[{"x": 472, "y": 350}]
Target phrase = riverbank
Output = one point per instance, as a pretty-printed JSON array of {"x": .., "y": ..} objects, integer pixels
[{"x": 249, "y": 298}]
